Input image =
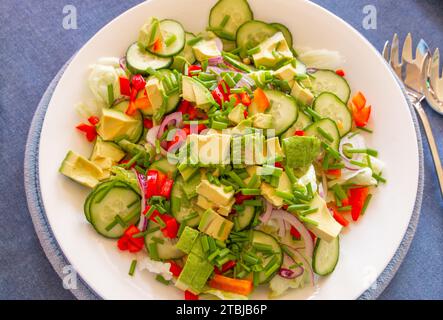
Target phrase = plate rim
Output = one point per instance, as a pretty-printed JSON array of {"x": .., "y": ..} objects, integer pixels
[{"x": 84, "y": 291}]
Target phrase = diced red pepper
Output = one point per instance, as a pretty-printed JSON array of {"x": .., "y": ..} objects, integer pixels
[
  {"x": 148, "y": 123},
  {"x": 125, "y": 86},
  {"x": 361, "y": 116},
  {"x": 138, "y": 82},
  {"x": 161, "y": 178},
  {"x": 151, "y": 179},
  {"x": 157, "y": 45},
  {"x": 166, "y": 188},
  {"x": 359, "y": 100},
  {"x": 236, "y": 98},
  {"x": 184, "y": 106},
  {"x": 171, "y": 228},
  {"x": 340, "y": 72},
  {"x": 190, "y": 296},
  {"x": 239, "y": 198},
  {"x": 278, "y": 165},
  {"x": 89, "y": 130},
  {"x": 218, "y": 96},
  {"x": 193, "y": 68},
  {"x": 133, "y": 95},
  {"x": 128, "y": 242},
  {"x": 338, "y": 217},
  {"x": 221, "y": 93},
  {"x": 245, "y": 114},
  {"x": 225, "y": 267},
  {"x": 93, "y": 120},
  {"x": 357, "y": 198},
  {"x": 175, "y": 269},
  {"x": 245, "y": 99},
  {"x": 294, "y": 232},
  {"x": 334, "y": 172},
  {"x": 260, "y": 100},
  {"x": 299, "y": 133}
]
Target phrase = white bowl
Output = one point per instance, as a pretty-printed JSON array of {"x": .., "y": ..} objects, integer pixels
[{"x": 366, "y": 248}]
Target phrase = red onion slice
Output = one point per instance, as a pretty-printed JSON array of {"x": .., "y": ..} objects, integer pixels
[
  {"x": 141, "y": 180},
  {"x": 268, "y": 212},
  {"x": 357, "y": 142},
  {"x": 175, "y": 117},
  {"x": 293, "y": 221},
  {"x": 291, "y": 274},
  {"x": 215, "y": 61},
  {"x": 298, "y": 256}
]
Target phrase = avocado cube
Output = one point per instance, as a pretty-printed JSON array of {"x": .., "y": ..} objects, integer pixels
[
  {"x": 81, "y": 170},
  {"x": 187, "y": 239},
  {"x": 195, "y": 274},
  {"x": 215, "y": 225},
  {"x": 300, "y": 151}
]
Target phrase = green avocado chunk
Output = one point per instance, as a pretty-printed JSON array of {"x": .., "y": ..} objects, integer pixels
[
  {"x": 300, "y": 151},
  {"x": 195, "y": 274},
  {"x": 187, "y": 239}
]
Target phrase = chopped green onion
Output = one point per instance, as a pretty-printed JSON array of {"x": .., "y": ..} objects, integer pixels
[
  {"x": 284, "y": 195},
  {"x": 253, "y": 203},
  {"x": 298, "y": 207},
  {"x": 205, "y": 243},
  {"x": 309, "y": 211},
  {"x": 250, "y": 192},
  {"x": 379, "y": 178},
  {"x": 110, "y": 94},
  {"x": 365, "y": 129},
  {"x": 224, "y": 21},
  {"x": 213, "y": 255},
  {"x": 253, "y": 51},
  {"x": 365, "y": 204},
  {"x": 307, "y": 220},
  {"x": 313, "y": 114},
  {"x": 153, "y": 252},
  {"x": 325, "y": 135},
  {"x": 194, "y": 41},
  {"x": 346, "y": 208},
  {"x": 339, "y": 192},
  {"x": 368, "y": 151},
  {"x": 161, "y": 279},
  {"x": 217, "y": 125},
  {"x": 132, "y": 267},
  {"x": 237, "y": 179},
  {"x": 158, "y": 240},
  {"x": 262, "y": 247},
  {"x": 170, "y": 40},
  {"x": 359, "y": 164}
]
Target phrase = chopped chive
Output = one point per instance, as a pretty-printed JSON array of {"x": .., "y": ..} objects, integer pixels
[
  {"x": 236, "y": 224},
  {"x": 313, "y": 114},
  {"x": 132, "y": 267},
  {"x": 159, "y": 220},
  {"x": 152, "y": 230},
  {"x": 365, "y": 129},
  {"x": 345, "y": 208},
  {"x": 290, "y": 174},
  {"x": 224, "y": 252},
  {"x": 358, "y": 163},
  {"x": 153, "y": 252},
  {"x": 301, "y": 196},
  {"x": 253, "y": 182},
  {"x": 310, "y": 191},
  {"x": 161, "y": 279},
  {"x": 158, "y": 240},
  {"x": 365, "y": 204},
  {"x": 194, "y": 41},
  {"x": 284, "y": 195},
  {"x": 379, "y": 178},
  {"x": 110, "y": 226},
  {"x": 217, "y": 125},
  {"x": 334, "y": 153},
  {"x": 237, "y": 90},
  {"x": 205, "y": 244},
  {"x": 309, "y": 221},
  {"x": 228, "y": 188},
  {"x": 154, "y": 29},
  {"x": 336, "y": 166},
  {"x": 256, "y": 278},
  {"x": 150, "y": 211},
  {"x": 225, "y": 181},
  {"x": 110, "y": 94},
  {"x": 339, "y": 192},
  {"x": 253, "y": 203},
  {"x": 224, "y": 21},
  {"x": 253, "y": 51},
  {"x": 228, "y": 79},
  {"x": 212, "y": 244},
  {"x": 237, "y": 179},
  {"x": 220, "y": 244},
  {"x": 170, "y": 40},
  {"x": 262, "y": 247},
  {"x": 368, "y": 151},
  {"x": 325, "y": 135},
  {"x": 180, "y": 229},
  {"x": 298, "y": 207},
  {"x": 250, "y": 259},
  {"x": 222, "y": 228},
  {"x": 309, "y": 211},
  {"x": 214, "y": 254},
  {"x": 250, "y": 192}
]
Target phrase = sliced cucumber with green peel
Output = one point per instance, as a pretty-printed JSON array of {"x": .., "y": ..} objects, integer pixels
[
  {"x": 166, "y": 249},
  {"x": 228, "y": 45},
  {"x": 327, "y": 126},
  {"x": 110, "y": 201},
  {"x": 137, "y": 132},
  {"x": 227, "y": 16},
  {"x": 302, "y": 122},
  {"x": 259, "y": 237},
  {"x": 244, "y": 218},
  {"x": 325, "y": 256},
  {"x": 329, "y": 81},
  {"x": 182, "y": 207},
  {"x": 252, "y": 33},
  {"x": 283, "y": 108},
  {"x": 185, "y": 55},
  {"x": 138, "y": 60},
  {"x": 164, "y": 166},
  {"x": 328, "y": 105},
  {"x": 173, "y": 39},
  {"x": 286, "y": 33}
]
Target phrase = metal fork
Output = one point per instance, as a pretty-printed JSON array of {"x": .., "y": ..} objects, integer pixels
[{"x": 411, "y": 72}]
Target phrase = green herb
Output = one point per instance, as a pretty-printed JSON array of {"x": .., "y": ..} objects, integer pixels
[
  {"x": 365, "y": 129},
  {"x": 237, "y": 179},
  {"x": 170, "y": 40},
  {"x": 365, "y": 204},
  {"x": 253, "y": 203},
  {"x": 298, "y": 207},
  {"x": 346, "y": 208},
  {"x": 161, "y": 279},
  {"x": 132, "y": 267},
  {"x": 253, "y": 51},
  {"x": 309, "y": 211},
  {"x": 224, "y": 21},
  {"x": 158, "y": 240},
  {"x": 368, "y": 151},
  {"x": 153, "y": 252},
  {"x": 194, "y": 41},
  {"x": 250, "y": 192},
  {"x": 325, "y": 135},
  {"x": 110, "y": 94},
  {"x": 379, "y": 178}
]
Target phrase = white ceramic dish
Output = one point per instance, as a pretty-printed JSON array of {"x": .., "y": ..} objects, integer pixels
[{"x": 366, "y": 248}]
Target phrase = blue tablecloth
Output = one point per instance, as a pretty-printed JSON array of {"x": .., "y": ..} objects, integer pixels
[{"x": 34, "y": 46}]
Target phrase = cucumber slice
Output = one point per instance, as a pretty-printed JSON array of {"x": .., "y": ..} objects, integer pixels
[
  {"x": 173, "y": 99},
  {"x": 325, "y": 256},
  {"x": 286, "y": 33},
  {"x": 166, "y": 249},
  {"x": 170, "y": 28},
  {"x": 329, "y": 81},
  {"x": 228, "y": 45},
  {"x": 259, "y": 237},
  {"x": 252, "y": 33},
  {"x": 244, "y": 218},
  {"x": 139, "y": 60},
  {"x": 165, "y": 167},
  {"x": 187, "y": 53},
  {"x": 329, "y": 127},
  {"x": 302, "y": 122},
  {"x": 231, "y": 13},
  {"x": 181, "y": 206},
  {"x": 283, "y": 108},
  {"x": 137, "y": 132},
  {"x": 328, "y": 105},
  {"x": 109, "y": 202}
]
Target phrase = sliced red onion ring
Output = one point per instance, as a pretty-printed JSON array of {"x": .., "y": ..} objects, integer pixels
[
  {"x": 215, "y": 61},
  {"x": 357, "y": 142},
  {"x": 245, "y": 81},
  {"x": 141, "y": 180},
  {"x": 122, "y": 63},
  {"x": 151, "y": 136},
  {"x": 293, "y": 221},
  {"x": 268, "y": 212},
  {"x": 298, "y": 256},
  {"x": 291, "y": 274},
  {"x": 175, "y": 117}
]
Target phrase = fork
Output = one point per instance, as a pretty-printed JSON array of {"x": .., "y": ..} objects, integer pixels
[{"x": 411, "y": 72}]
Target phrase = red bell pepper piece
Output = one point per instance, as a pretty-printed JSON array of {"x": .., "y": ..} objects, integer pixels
[
  {"x": 175, "y": 269},
  {"x": 361, "y": 116},
  {"x": 299, "y": 133},
  {"x": 357, "y": 198},
  {"x": 294, "y": 232},
  {"x": 171, "y": 228},
  {"x": 138, "y": 82},
  {"x": 245, "y": 99},
  {"x": 193, "y": 68},
  {"x": 359, "y": 100},
  {"x": 93, "y": 120},
  {"x": 190, "y": 296},
  {"x": 278, "y": 165},
  {"x": 334, "y": 172},
  {"x": 125, "y": 86},
  {"x": 239, "y": 198},
  {"x": 218, "y": 96},
  {"x": 338, "y": 217},
  {"x": 245, "y": 114},
  {"x": 184, "y": 106},
  {"x": 151, "y": 179},
  {"x": 157, "y": 45},
  {"x": 340, "y": 72},
  {"x": 128, "y": 242},
  {"x": 260, "y": 100},
  {"x": 166, "y": 188},
  {"x": 147, "y": 123},
  {"x": 89, "y": 130},
  {"x": 236, "y": 98}
]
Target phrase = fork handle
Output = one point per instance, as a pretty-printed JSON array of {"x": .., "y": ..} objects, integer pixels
[{"x": 432, "y": 145}]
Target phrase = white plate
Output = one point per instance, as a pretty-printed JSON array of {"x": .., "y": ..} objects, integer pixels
[{"x": 366, "y": 248}]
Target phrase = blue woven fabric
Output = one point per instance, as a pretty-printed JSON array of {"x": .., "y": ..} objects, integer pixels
[{"x": 34, "y": 48}]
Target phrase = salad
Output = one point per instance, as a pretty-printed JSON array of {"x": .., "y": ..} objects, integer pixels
[{"x": 225, "y": 160}]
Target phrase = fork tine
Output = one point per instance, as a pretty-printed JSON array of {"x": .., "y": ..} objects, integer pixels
[
  {"x": 395, "y": 63},
  {"x": 434, "y": 73},
  {"x": 386, "y": 51},
  {"x": 407, "y": 49},
  {"x": 421, "y": 51}
]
